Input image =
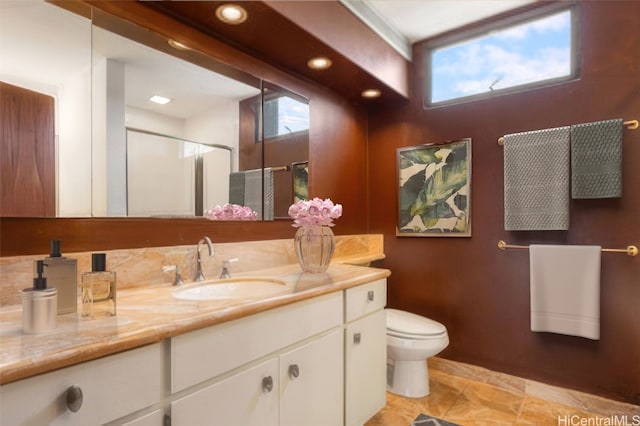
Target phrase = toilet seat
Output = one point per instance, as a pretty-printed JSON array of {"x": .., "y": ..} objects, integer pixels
[{"x": 411, "y": 326}]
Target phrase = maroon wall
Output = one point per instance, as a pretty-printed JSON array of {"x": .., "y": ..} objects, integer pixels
[{"x": 480, "y": 293}]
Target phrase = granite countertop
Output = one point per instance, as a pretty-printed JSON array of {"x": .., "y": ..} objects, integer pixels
[{"x": 150, "y": 314}]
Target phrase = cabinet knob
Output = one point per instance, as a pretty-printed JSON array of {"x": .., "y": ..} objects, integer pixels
[
  {"x": 356, "y": 338},
  {"x": 294, "y": 371},
  {"x": 267, "y": 384},
  {"x": 370, "y": 295},
  {"x": 74, "y": 398}
]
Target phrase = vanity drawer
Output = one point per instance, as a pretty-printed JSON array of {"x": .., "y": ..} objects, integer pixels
[
  {"x": 112, "y": 387},
  {"x": 364, "y": 299},
  {"x": 207, "y": 353}
]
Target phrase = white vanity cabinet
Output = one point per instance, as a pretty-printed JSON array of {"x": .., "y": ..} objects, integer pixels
[
  {"x": 280, "y": 367},
  {"x": 99, "y": 391},
  {"x": 315, "y": 362},
  {"x": 365, "y": 351}
]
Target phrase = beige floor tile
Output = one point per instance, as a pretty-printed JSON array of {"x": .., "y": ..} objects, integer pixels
[
  {"x": 538, "y": 412},
  {"x": 470, "y": 395},
  {"x": 482, "y": 404},
  {"x": 400, "y": 411}
]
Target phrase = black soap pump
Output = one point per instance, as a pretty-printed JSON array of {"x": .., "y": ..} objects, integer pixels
[
  {"x": 39, "y": 304},
  {"x": 40, "y": 282}
]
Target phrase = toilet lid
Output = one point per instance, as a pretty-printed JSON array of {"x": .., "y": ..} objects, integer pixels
[{"x": 401, "y": 323}]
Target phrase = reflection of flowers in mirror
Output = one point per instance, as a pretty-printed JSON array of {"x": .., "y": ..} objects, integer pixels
[
  {"x": 315, "y": 212},
  {"x": 231, "y": 212}
]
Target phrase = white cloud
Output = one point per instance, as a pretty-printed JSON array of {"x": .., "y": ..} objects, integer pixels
[{"x": 557, "y": 22}]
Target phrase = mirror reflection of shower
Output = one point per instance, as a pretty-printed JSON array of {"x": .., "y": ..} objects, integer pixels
[{"x": 173, "y": 177}]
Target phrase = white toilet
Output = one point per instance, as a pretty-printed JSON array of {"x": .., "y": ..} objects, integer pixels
[{"x": 411, "y": 339}]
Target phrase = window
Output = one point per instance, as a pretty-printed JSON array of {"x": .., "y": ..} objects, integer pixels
[
  {"x": 516, "y": 55},
  {"x": 284, "y": 115}
]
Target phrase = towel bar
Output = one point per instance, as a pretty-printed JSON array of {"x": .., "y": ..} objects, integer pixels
[
  {"x": 631, "y": 125},
  {"x": 630, "y": 250}
]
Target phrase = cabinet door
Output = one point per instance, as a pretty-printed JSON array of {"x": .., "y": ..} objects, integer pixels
[
  {"x": 311, "y": 384},
  {"x": 365, "y": 368},
  {"x": 109, "y": 388},
  {"x": 247, "y": 398}
]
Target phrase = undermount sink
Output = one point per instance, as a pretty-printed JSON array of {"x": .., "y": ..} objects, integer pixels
[{"x": 234, "y": 288}]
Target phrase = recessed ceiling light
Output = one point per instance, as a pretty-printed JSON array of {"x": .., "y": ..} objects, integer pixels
[
  {"x": 177, "y": 45},
  {"x": 231, "y": 14},
  {"x": 159, "y": 99},
  {"x": 319, "y": 63},
  {"x": 370, "y": 93}
]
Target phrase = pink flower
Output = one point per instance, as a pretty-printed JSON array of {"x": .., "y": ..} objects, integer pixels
[
  {"x": 230, "y": 212},
  {"x": 315, "y": 212}
]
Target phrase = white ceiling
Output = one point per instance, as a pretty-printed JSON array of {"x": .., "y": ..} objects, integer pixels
[
  {"x": 43, "y": 46},
  {"x": 403, "y": 22}
]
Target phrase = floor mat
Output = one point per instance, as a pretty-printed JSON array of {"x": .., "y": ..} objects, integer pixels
[{"x": 424, "y": 420}]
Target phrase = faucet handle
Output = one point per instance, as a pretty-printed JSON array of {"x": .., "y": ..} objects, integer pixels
[
  {"x": 177, "y": 281},
  {"x": 225, "y": 267}
]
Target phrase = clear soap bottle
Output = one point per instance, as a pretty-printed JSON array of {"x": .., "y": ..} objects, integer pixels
[{"x": 98, "y": 289}]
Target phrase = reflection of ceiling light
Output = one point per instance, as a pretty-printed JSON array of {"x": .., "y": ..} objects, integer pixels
[
  {"x": 159, "y": 99},
  {"x": 370, "y": 93},
  {"x": 177, "y": 45},
  {"x": 231, "y": 14},
  {"x": 319, "y": 63}
]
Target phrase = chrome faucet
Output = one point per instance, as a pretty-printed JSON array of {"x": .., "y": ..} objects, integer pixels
[
  {"x": 199, "y": 274},
  {"x": 177, "y": 279},
  {"x": 225, "y": 267}
]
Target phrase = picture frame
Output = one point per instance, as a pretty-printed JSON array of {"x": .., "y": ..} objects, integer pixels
[
  {"x": 300, "y": 176},
  {"x": 434, "y": 189}
]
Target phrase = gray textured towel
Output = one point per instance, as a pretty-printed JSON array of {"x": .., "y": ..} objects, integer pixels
[
  {"x": 596, "y": 159},
  {"x": 268, "y": 193},
  {"x": 236, "y": 188},
  {"x": 253, "y": 192},
  {"x": 536, "y": 180}
]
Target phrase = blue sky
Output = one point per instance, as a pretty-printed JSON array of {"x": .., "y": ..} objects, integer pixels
[{"x": 518, "y": 55}]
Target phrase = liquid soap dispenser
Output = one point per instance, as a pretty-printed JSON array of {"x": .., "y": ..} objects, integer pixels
[
  {"x": 39, "y": 304},
  {"x": 98, "y": 289},
  {"x": 62, "y": 273}
]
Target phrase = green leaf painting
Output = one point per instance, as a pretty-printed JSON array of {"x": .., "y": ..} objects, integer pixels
[
  {"x": 300, "y": 181},
  {"x": 434, "y": 189}
]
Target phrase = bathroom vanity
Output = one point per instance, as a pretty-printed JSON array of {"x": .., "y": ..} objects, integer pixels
[{"x": 315, "y": 355}]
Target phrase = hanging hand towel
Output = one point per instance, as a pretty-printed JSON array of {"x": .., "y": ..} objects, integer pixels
[
  {"x": 253, "y": 190},
  {"x": 565, "y": 289},
  {"x": 259, "y": 183},
  {"x": 268, "y": 193},
  {"x": 536, "y": 180},
  {"x": 596, "y": 159},
  {"x": 236, "y": 188}
]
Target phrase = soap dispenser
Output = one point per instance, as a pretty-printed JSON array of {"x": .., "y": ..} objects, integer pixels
[
  {"x": 98, "y": 289},
  {"x": 62, "y": 273},
  {"x": 39, "y": 304}
]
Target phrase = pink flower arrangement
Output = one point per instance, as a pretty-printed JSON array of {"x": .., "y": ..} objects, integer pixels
[
  {"x": 314, "y": 212},
  {"x": 231, "y": 212}
]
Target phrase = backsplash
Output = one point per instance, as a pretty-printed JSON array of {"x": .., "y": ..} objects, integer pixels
[{"x": 144, "y": 267}]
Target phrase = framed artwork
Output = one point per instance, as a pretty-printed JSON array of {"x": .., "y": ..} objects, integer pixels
[
  {"x": 300, "y": 181},
  {"x": 434, "y": 190}
]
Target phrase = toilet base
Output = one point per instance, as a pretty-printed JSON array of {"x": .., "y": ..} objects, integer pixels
[{"x": 408, "y": 378}]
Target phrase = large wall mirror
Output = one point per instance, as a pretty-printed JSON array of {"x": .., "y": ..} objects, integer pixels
[{"x": 110, "y": 150}]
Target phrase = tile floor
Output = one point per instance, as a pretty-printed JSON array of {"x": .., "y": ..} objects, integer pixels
[{"x": 470, "y": 395}]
